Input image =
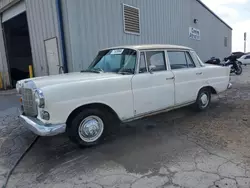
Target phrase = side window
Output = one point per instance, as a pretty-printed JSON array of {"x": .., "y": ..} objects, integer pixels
[
  {"x": 143, "y": 67},
  {"x": 247, "y": 57},
  {"x": 156, "y": 58},
  {"x": 177, "y": 60},
  {"x": 189, "y": 61}
]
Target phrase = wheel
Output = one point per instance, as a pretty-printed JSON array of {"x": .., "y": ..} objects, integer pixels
[
  {"x": 239, "y": 71},
  {"x": 89, "y": 127},
  {"x": 203, "y": 99}
]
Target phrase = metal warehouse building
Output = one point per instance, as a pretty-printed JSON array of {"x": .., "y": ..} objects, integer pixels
[{"x": 48, "y": 33}]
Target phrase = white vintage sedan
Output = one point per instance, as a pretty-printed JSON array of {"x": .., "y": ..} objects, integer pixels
[
  {"x": 122, "y": 84},
  {"x": 245, "y": 59}
]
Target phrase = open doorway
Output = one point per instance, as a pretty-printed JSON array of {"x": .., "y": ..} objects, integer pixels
[{"x": 18, "y": 47}]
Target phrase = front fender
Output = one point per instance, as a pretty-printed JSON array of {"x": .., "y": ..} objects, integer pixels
[{"x": 61, "y": 100}]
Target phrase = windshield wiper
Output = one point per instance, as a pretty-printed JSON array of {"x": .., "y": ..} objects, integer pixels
[
  {"x": 94, "y": 71},
  {"x": 125, "y": 73}
]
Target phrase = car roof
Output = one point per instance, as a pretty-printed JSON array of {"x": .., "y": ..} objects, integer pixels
[
  {"x": 150, "y": 47},
  {"x": 238, "y": 53}
]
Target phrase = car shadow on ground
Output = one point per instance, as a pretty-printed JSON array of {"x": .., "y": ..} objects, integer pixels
[
  {"x": 146, "y": 142},
  {"x": 218, "y": 135},
  {"x": 147, "y": 145}
]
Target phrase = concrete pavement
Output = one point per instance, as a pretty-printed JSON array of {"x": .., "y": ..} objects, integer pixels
[
  {"x": 14, "y": 139},
  {"x": 182, "y": 148}
]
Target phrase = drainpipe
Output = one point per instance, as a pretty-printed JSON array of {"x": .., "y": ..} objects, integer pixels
[{"x": 62, "y": 35}]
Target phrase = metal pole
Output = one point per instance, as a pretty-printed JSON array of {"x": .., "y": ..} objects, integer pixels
[
  {"x": 31, "y": 71},
  {"x": 62, "y": 35},
  {"x": 245, "y": 46},
  {"x": 245, "y": 42}
]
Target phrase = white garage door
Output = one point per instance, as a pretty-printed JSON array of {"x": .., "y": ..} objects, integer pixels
[{"x": 14, "y": 11}]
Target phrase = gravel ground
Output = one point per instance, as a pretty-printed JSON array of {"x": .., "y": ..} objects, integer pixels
[{"x": 181, "y": 148}]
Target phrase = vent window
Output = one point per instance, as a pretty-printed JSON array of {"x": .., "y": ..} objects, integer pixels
[{"x": 131, "y": 16}]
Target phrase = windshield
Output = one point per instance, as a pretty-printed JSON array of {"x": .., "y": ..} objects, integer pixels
[{"x": 116, "y": 60}]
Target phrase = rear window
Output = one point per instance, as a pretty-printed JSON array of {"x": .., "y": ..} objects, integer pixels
[{"x": 196, "y": 58}]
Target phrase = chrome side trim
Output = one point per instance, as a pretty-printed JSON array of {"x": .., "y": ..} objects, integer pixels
[{"x": 156, "y": 112}]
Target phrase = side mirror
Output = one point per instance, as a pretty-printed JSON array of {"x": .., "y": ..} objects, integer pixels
[{"x": 151, "y": 68}]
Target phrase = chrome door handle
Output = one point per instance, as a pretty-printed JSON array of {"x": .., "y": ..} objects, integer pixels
[
  {"x": 199, "y": 73},
  {"x": 170, "y": 78}
]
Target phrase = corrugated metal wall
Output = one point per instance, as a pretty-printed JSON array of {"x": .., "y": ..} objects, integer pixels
[
  {"x": 213, "y": 33},
  {"x": 91, "y": 25},
  {"x": 42, "y": 21},
  {"x": 95, "y": 24}
]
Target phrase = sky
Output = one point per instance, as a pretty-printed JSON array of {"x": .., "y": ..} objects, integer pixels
[{"x": 235, "y": 13}]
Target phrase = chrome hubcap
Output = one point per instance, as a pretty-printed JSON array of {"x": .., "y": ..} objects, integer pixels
[
  {"x": 91, "y": 129},
  {"x": 204, "y": 100}
]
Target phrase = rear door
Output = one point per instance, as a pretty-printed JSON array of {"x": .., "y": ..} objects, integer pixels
[
  {"x": 188, "y": 76},
  {"x": 152, "y": 91}
]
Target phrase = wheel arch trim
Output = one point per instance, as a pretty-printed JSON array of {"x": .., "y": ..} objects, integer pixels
[
  {"x": 212, "y": 89},
  {"x": 97, "y": 105}
]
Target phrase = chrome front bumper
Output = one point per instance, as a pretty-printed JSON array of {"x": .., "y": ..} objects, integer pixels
[{"x": 40, "y": 128}]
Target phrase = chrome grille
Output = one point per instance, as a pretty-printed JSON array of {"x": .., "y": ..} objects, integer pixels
[{"x": 29, "y": 105}]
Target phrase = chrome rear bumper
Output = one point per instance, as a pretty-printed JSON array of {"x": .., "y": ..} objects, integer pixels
[{"x": 39, "y": 128}]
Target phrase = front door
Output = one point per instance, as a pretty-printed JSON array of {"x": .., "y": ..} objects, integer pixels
[
  {"x": 188, "y": 76},
  {"x": 152, "y": 91}
]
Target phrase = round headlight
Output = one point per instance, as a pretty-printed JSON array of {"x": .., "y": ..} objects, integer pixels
[{"x": 39, "y": 98}]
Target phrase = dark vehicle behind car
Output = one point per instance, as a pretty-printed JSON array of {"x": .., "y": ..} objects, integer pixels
[
  {"x": 231, "y": 60},
  {"x": 237, "y": 54},
  {"x": 213, "y": 60}
]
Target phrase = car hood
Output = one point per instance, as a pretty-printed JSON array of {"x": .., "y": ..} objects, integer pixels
[{"x": 44, "y": 81}]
